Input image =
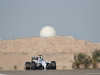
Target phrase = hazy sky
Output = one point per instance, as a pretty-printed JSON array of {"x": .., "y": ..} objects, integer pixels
[{"x": 25, "y": 18}]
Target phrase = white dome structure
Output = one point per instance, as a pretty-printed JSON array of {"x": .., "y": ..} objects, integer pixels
[{"x": 47, "y": 31}]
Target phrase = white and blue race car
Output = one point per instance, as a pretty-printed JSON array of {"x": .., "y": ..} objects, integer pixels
[{"x": 38, "y": 63}]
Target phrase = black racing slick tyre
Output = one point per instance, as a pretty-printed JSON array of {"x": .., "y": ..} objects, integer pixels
[
  {"x": 48, "y": 66},
  {"x": 53, "y": 65},
  {"x": 27, "y": 65},
  {"x": 33, "y": 65}
]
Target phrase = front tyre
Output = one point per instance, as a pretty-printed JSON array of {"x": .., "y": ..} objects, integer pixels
[
  {"x": 27, "y": 65},
  {"x": 53, "y": 65}
]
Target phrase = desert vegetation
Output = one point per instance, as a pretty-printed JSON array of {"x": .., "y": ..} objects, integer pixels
[
  {"x": 15, "y": 67},
  {"x": 86, "y": 60},
  {"x": 0, "y": 68}
]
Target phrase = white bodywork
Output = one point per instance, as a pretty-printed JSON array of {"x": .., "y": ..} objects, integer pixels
[
  {"x": 40, "y": 61},
  {"x": 44, "y": 64}
]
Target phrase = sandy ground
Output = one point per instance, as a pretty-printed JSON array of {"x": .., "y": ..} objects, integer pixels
[{"x": 60, "y": 49}]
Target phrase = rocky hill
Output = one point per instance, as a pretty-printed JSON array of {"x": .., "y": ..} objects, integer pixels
[{"x": 59, "y": 48}]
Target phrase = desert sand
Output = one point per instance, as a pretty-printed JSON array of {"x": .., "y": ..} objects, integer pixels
[{"x": 59, "y": 48}]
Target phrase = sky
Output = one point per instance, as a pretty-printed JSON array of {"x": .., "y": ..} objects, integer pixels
[{"x": 25, "y": 18}]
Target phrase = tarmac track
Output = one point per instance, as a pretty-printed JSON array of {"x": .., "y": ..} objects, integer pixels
[{"x": 53, "y": 72}]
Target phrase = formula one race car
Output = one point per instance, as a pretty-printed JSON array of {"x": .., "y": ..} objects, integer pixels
[{"x": 38, "y": 63}]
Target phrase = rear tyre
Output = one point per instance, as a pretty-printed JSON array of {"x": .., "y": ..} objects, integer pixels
[
  {"x": 48, "y": 66},
  {"x": 27, "y": 65},
  {"x": 33, "y": 65},
  {"x": 41, "y": 68},
  {"x": 53, "y": 65}
]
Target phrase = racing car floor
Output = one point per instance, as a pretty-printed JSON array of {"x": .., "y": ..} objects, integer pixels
[{"x": 53, "y": 72}]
